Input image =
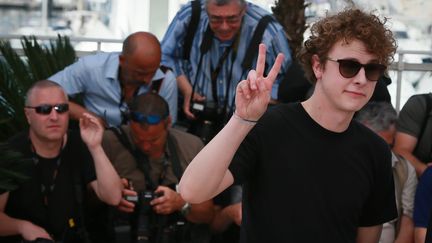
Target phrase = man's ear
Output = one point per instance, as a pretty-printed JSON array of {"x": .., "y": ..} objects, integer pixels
[
  {"x": 122, "y": 59},
  {"x": 317, "y": 67},
  {"x": 27, "y": 114},
  {"x": 168, "y": 122}
]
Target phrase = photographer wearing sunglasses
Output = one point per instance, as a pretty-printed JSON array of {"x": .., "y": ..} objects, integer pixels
[
  {"x": 48, "y": 206},
  {"x": 151, "y": 156}
]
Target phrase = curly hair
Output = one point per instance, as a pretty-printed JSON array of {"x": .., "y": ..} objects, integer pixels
[{"x": 348, "y": 25}]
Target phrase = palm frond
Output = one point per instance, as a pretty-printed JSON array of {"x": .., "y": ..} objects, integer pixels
[{"x": 18, "y": 73}]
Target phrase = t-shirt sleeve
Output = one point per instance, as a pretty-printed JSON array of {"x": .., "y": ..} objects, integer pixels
[
  {"x": 380, "y": 207},
  {"x": 412, "y": 115}
]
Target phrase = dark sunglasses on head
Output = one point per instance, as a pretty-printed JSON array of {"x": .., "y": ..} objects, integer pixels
[
  {"x": 350, "y": 68},
  {"x": 149, "y": 119},
  {"x": 46, "y": 109}
]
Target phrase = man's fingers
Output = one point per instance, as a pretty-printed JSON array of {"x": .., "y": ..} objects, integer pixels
[
  {"x": 271, "y": 77},
  {"x": 261, "y": 60}
]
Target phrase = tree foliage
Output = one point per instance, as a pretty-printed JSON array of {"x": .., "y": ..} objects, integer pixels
[{"x": 19, "y": 72}]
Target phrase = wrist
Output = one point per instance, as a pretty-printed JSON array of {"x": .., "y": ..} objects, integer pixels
[
  {"x": 186, "y": 209},
  {"x": 243, "y": 120}
]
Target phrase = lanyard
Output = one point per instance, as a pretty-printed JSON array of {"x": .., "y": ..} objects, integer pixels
[{"x": 48, "y": 187}]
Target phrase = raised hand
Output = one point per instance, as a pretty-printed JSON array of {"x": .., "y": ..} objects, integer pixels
[
  {"x": 253, "y": 94},
  {"x": 91, "y": 130}
]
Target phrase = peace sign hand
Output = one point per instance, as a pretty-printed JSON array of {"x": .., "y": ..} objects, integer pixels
[{"x": 253, "y": 94}]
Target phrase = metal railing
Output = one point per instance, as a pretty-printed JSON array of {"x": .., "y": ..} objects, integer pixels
[{"x": 399, "y": 66}]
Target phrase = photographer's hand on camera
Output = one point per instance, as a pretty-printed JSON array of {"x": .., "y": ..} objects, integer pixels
[
  {"x": 126, "y": 204},
  {"x": 169, "y": 201}
]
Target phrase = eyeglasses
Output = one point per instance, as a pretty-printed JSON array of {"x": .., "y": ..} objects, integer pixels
[
  {"x": 350, "y": 68},
  {"x": 46, "y": 109},
  {"x": 233, "y": 19},
  {"x": 149, "y": 119}
]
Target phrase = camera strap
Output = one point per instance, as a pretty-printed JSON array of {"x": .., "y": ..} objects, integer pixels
[
  {"x": 215, "y": 73},
  {"x": 204, "y": 48},
  {"x": 142, "y": 159},
  {"x": 47, "y": 186},
  {"x": 175, "y": 162}
]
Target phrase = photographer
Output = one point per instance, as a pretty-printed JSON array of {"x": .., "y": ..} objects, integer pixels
[
  {"x": 210, "y": 45},
  {"x": 152, "y": 156}
]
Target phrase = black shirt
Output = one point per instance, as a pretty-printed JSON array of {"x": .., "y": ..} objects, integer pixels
[
  {"x": 304, "y": 183},
  {"x": 56, "y": 209}
]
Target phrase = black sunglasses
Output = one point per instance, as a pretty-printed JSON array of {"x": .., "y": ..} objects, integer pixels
[
  {"x": 46, "y": 109},
  {"x": 350, "y": 68},
  {"x": 149, "y": 119}
]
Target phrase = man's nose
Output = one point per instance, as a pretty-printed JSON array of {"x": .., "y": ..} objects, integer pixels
[
  {"x": 224, "y": 25},
  {"x": 361, "y": 78},
  {"x": 53, "y": 115}
]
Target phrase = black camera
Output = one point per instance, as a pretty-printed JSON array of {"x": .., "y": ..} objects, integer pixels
[
  {"x": 197, "y": 108},
  {"x": 207, "y": 111},
  {"x": 210, "y": 119},
  {"x": 144, "y": 219}
]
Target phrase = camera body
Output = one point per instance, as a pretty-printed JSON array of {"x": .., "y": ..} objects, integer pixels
[
  {"x": 147, "y": 226},
  {"x": 206, "y": 111},
  {"x": 210, "y": 119}
]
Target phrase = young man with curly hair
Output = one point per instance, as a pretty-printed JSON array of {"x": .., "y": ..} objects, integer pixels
[{"x": 309, "y": 172}]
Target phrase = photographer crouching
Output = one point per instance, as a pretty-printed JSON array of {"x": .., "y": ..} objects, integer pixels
[{"x": 152, "y": 156}]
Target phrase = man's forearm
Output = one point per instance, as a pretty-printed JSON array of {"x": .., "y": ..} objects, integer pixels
[
  {"x": 9, "y": 226},
  {"x": 415, "y": 162},
  {"x": 207, "y": 174},
  {"x": 184, "y": 86},
  {"x": 201, "y": 213},
  {"x": 76, "y": 110},
  {"x": 369, "y": 234},
  {"x": 109, "y": 186},
  {"x": 406, "y": 230}
]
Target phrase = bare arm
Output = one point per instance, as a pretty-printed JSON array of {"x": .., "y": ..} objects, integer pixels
[
  {"x": 420, "y": 234},
  {"x": 107, "y": 186},
  {"x": 406, "y": 230},
  {"x": 224, "y": 217},
  {"x": 369, "y": 234},
  {"x": 13, "y": 226},
  {"x": 208, "y": 174},
  {"x": 405, "y": 145},
  {"x": 186, "y": 90},
  {"x": 171, "y": 201},
  {"x": 201, "y": 212}
]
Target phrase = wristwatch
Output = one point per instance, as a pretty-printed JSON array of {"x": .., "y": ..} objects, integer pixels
[{"x": 185, "y": 210}]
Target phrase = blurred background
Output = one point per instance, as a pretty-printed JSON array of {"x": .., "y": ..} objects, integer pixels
[{"x": 105, "y": 23}]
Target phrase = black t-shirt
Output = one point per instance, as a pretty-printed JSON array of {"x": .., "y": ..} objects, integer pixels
[
  {"x": 28, "y": 201},
  {"x": 304, "y": 183}
]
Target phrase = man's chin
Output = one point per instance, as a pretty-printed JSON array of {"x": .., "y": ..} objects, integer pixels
[{"x": 225, "y": 37}]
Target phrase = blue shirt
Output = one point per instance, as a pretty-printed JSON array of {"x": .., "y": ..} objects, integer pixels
[
  {"x": 172, "y": 51},
  {"x": 96, "y": 77},
  {"x": 423, "y": 200}
]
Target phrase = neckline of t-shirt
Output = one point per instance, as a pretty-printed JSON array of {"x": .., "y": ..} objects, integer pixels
[{"x": 317, "y": 127}]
